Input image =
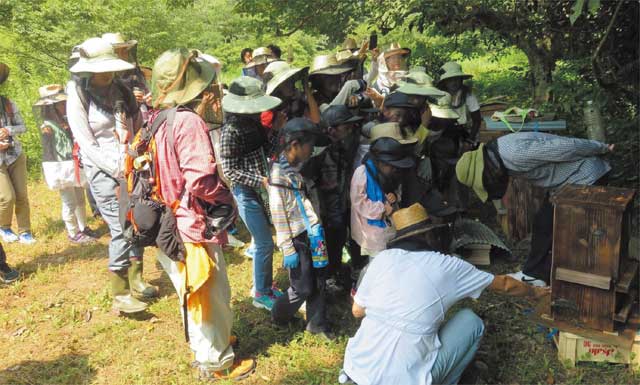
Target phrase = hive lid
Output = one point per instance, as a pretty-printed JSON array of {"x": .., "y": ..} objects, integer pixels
[{"x": 603, "y": 196}]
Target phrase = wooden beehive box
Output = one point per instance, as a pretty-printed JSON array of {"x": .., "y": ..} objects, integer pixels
[{"x": 591, "y": 277}]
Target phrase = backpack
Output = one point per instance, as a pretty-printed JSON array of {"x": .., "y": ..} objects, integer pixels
[{"x": 146, "y": 218}]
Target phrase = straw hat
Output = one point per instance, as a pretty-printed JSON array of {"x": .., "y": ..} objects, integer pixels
[
  {"x": 117, "y": 40},
  {"x": 4, "y": 72},
  {"x": 411, "y": 221},
  {"x": 395, "y": 49},
  {"x": 51, "y": 94},
  {"x": 452, "y": 70},
  {"x": 97, "y": 56},
  {"x": 418, "y": 83},
  {"x": 260, "y": 55},
  {"x": 327, "y": 65},
  {"x": 390, "y": 130},
  {"x": 469, "y": 171},
  {"x": 179, "y": 77},
  {"x": 279, "y": 72},
  {"x": 442, "y": 109},
  {"x": 245, "y": 96}
]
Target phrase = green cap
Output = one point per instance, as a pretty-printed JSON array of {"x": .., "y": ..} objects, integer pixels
[
  {"x": 246, "y": 96},
  {"x": 178, "y": 77}
]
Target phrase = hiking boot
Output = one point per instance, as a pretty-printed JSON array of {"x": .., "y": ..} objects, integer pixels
[
  {"x": 90, "y": 233},
  {"x": 138, "y": 286},
  {"x": 123, "y": 301},
  {"x": 26, "y": 238},
  {"x": 262, "y": 301},
  {"x": 80, "y": 238},
  {"x": 8, "y": 236},
  {"x": 241, "y": 369},
  {"x": 7, "y": 274}
]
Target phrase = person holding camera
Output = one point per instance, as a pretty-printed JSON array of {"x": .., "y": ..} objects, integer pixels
[{"x": 13, "y": 171}]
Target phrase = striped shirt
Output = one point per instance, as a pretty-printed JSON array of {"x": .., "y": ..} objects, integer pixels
[
  {"x": 285, "y": 212},
  {"x": 551, "y": 161}
]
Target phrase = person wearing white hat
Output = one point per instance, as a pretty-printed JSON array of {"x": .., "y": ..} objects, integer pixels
[
  {"x": 61, "y": 169},
  {"x": 103, "y": 115},
  {"x": 13, "y": 171}
]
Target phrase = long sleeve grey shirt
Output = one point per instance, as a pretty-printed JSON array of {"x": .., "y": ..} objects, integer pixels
[
  {"x": 551, "y": 161},
  {"x": 15, "y": 125}
]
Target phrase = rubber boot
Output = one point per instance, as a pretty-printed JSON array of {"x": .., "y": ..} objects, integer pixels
[
  {"x": 139, "y": 287},
  {"x": 123, "y": 301}
]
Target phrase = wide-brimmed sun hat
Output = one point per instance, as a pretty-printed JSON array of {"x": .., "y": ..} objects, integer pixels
[
  {"x": 246, "y": 96},
  {"x": 178, "y": 77},
  {"x": 279, "y": 72},
  {"x": 260, "y": 55},
  {"x": 396, "y": 49},
  {"x": 117, "y": 40},
  {"x": 327, "y": 65},
  {"x": 418, "y": 83},
  {"x": 97, "y": 56},
  {"x": 4, "y": 72},
  {"x": 469, "y": 171},
  {"x": 411, "y": 221},
  {"x": 51, "y": 94},
  {"x": 390, "y": 130},
  {"x": 391, "y": 151},
  {"x": 442, "y": 108},
  {"x": 452, "y": 69}
]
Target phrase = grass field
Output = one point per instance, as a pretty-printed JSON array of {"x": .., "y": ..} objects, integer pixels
[{"x": 56, "y": 326}]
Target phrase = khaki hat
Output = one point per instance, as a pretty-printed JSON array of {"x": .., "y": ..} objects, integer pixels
[
  {"x": 327, "y": 65},
  {"x": 411, "y": 221},
  {"x": 452, "y": 70},
  {"x": 442, "y": 109},
  {"x": 350, "y": 44},
  {"x": 469, "y": 171},
  {"x": 117, "y": 40},
  {"x": 390, "y": 130},
  {"x": 4, "y": 72},
  {"x": 279, "y": 72},
  {"x": 418, "y": 83},
  {"x": 179, "y": 77},
  {"x": 395, "y": 49},
  {"x": 260, "y": 55},
  {"x": 97, "y": 56},
  {"x": 51, "y": 94},
  {"x": 245, "y": 96}
]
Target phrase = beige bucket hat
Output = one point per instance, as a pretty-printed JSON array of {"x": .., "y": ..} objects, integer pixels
[
  {"x": 117, "y": 40},
  {"x": 260, "y": 55},
  {"x": 442, "y": 109},
  {"x": 418, "y": 83},
  {"x": 390, "y": 130},
  {"x": 452, "y": 69},
  {"x": 396, "y": 49},
  {"x": 97, "y": 56},
  {"x": 327, "y": 65},
  {"x": 51, "y": 94},
  {"x": 278, "y": 72}
]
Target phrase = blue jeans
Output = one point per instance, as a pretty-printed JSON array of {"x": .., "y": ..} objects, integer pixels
[
  {"x": 460, "y": 338},
  {"x": 255, "y": 218},
  {"x": 103, "y": 188}
]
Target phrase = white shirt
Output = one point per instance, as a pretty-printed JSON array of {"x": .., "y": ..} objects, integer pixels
[
  {"x": 406, "y": 296},
  {"x": 470, "y": 104}
]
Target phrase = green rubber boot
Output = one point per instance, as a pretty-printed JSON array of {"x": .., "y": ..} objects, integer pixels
[
  {"x": 139, "y": 287},
  {"x": 123, "y": 301}
]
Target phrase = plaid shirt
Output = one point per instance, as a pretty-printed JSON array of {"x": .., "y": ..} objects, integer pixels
[
  {"x": 239, "y": 165},
  {"x": 551, "y": 161},
  {"x": 15, "y": 125}
]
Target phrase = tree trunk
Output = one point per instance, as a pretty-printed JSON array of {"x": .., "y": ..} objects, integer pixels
[{"x": 541, "y": 65}]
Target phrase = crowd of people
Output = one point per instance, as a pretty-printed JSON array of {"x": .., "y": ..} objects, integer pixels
[{"x": 360, "y": 162}]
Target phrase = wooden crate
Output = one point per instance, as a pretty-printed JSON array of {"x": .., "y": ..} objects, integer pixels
[
  {"x": 592, "y": 281},
  {"x": 522, "y": 201},
  {"x": 573, "y": 348}
]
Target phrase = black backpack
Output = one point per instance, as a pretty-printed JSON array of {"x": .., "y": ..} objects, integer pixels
[{"x": 146, "y": 218}]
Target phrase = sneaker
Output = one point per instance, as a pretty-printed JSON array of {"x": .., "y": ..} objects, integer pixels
[
  {"x": 26, "y": 238},
  {"x": 80, "y": 238},
  {"x": 263, "y": 301},
  {"x": 520, "y": 276},
  {"x": 7, "y": 274},
  {"x": 251, "y": 250},
  {"x": 8, "y": 235},
  {"x": 234, "y": 242},
  {"x": 240, "y": 370},
  {"x": 90, "y": 233},
  {"x": 275, "y": 291}
]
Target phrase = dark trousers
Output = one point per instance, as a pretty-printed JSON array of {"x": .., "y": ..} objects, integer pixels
[
  {"x": 307, "y": 284},
  {"x": 538, "y": 263},
  {"x": 336, "y": 237},
  {"x": 3, "y": 257}
]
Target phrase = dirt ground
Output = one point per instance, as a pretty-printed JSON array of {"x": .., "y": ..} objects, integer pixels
[{"x": 56, "y": 326}]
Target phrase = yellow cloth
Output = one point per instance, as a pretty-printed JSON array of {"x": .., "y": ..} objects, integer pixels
[
  {"x": 422, "y": 133},
  {"x": 469, "y": 172},
  {"x": 197, "y": 274}
]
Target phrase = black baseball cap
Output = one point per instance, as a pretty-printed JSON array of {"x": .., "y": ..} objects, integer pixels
[
  {"x": 398, "y": 99},
  {"x": 301, "y": 125},
  {"x": 339, "y": 114},
  {"x": 389, "y": 150}
]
